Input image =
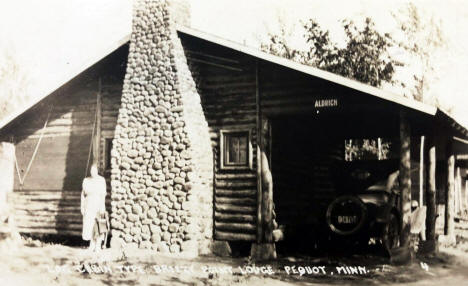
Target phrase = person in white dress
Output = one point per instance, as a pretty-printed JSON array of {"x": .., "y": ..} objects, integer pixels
[{"x": 93, "y": 198}]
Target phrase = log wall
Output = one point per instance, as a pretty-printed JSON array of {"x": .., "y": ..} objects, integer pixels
[
  {"x": 228, "y": 100},
  {"x": 226, "y": 81},
  {"x": 49, "y": 200}
]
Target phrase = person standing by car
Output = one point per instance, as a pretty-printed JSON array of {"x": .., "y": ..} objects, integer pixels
[{"x": 93, "y": 197}]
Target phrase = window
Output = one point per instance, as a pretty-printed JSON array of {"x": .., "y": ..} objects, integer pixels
[
  {"x": 236, "y": 150},
  {"x": 107, "y": 154},
  {"x": 369, "y": 149}
]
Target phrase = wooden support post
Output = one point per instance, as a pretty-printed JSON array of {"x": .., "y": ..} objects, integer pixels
[
  {"x": 449, "y": 229},
  {"x": 460, "y": 189},
  {"x": 379, "y": 147},
  {"x": 465, "y": 195},
  {"x": 421, "y": 172},
  {"x": 431, "y": 212},
  {"x": 259, "y": 162},
  {"x": 405, "y": 179},
  {"x": 264, "y": 249},
  {"x": 455, "y": 192},
  {"x": 458, "y": 205},
  {"x": 267, "y": 202}
]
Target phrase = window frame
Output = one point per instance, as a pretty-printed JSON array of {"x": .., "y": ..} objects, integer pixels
[{"x": 224, "y": 133}]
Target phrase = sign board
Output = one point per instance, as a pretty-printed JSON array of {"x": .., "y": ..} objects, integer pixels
[{"x": 324, "y": 103}]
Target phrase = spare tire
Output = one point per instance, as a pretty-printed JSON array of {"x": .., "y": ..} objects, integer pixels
[{"x": 346, "y": 215}]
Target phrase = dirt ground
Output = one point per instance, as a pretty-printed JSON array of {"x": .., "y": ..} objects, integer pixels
[{"x": 32, "y": 262}]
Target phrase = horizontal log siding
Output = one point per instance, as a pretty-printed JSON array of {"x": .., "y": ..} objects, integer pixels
[
  {"x": 48, "y": 211},
  {"x": 228, "y": 100},
  {"x": 49, "y": 200}
]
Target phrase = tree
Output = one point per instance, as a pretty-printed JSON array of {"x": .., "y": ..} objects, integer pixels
[
  {"x": 367, "y": 149},
  {"x": 365, "y": 57},
  {"x": 422, "y": 38},
  {"x": 14, "y": 83}
]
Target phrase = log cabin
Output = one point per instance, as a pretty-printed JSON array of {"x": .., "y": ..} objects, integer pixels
[{"x": 205, "y": 141}]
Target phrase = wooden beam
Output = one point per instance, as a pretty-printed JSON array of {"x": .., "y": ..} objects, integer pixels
[
  {"x": 421, "y": 172},
  {"x": 267, "y": 202},
  {"x": 215, "y": 64},
  {"x": 460, "y": 140},
  {"x": 379, "y": 144},
  {"x": 449, "y": 228},
  {"x": 405, "y": 178},
  {"x": 266, "y": 180},
  {"x": 465, "y": 195},
  {"x": 458, "y": 206},
  {"x": 264, "y": 249},
  {"x": 232, "y": 236},
  {"x": 259, "y": 155},
  {"x": 431, "y": 192},
  {"x": 212, "y": 56}
]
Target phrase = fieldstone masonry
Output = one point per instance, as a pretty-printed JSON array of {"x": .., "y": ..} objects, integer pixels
[{"x": 162, "y": 167}]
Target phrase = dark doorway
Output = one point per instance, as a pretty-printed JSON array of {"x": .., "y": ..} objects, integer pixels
[{"x": 303, "y": 152}]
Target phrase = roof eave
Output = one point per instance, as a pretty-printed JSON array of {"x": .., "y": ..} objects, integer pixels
[
  {"x": 353, "y": 84},
  {"x": 66, "y": 78}
]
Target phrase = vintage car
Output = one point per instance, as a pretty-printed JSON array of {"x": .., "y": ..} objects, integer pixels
[{"x": 367, "y": 203}]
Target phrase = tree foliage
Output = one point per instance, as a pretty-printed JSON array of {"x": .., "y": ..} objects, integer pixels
[
  {"x": 365, "y": 57},
  {"x": 423, "y": 37},
  {"x": 367, "y": 149},
  {"x": 14, "y": 83}
]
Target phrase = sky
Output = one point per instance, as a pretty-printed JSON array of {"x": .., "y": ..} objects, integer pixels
[{"x": 49, "y": 37}]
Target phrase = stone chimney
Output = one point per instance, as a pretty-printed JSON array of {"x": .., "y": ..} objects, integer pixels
[
  {"x": 180, "y": 12},
  {"x": 162, "y": 165}
]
